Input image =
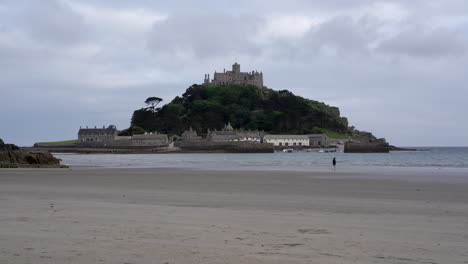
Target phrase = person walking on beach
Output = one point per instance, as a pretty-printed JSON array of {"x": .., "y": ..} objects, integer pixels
[{"x": 334, "y": 163}]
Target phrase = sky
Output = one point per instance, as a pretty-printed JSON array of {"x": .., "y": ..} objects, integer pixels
[{"x": 395, "y": 68}]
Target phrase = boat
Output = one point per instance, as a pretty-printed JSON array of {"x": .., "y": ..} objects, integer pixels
[{"x": 288, "y": 150}]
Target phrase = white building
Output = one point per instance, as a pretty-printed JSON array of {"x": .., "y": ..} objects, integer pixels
[{"x": 287, "y": 140}]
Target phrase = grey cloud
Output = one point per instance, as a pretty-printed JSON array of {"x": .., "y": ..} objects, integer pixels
[
  {"x": 342, "y": 34},
  {"x": 216, "y": 36},
  {"x": 206, "y": 35},
  {"x": 422, "y": 43},
  {"x": 54, "y": 22}
]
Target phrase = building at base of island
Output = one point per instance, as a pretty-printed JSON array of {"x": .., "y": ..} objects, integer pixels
[
  {"x": 107, "y": 137},
  {"x": 229, "y": 134},
  {"x": 225, "y": 140}
]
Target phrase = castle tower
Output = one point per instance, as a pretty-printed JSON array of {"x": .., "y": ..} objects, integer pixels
[
  {"x": 236, "y": 68},
  {"x": 207, "y": 79}
]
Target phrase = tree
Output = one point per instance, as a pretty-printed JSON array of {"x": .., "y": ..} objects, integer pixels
[
  {"x": 152, "y": 102},
  {"x": 136, "y": 130},
  {"x": 132, "y": 130}
]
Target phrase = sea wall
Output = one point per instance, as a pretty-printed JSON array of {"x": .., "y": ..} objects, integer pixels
[
  {"x": 114, "y": 150},
  {"x": 366, "y": 147},
  {"x": 225, "y": 146},
  {"x": 137, "y": 141},
  {"x": 39, "y": 145}
]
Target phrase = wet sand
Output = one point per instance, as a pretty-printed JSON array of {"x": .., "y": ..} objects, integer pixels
[{"x": 191, "y": 216}]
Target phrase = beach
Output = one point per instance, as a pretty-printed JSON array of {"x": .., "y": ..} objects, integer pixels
[{"x": 170, "y": 215}]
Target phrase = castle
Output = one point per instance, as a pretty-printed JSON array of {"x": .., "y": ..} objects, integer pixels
[{"x": 235, "y": 77}]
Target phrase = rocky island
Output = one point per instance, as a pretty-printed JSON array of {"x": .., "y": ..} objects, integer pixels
[{"x": 233, "y": 112}]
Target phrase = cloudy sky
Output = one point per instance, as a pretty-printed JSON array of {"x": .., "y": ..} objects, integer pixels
[{"x": 395, "y": 68}]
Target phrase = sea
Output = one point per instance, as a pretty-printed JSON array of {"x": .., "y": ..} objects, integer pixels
[{"x": 435, "y": 157}]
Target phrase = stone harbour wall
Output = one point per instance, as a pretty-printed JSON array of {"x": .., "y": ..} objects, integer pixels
[
  {"x": 230, "y": 147},
  {"x": 354, "y": 147}
]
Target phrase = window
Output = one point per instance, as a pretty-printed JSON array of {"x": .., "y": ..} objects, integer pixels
[
  {"x": 294, "y": 144},
  {"x": 286, "y": 144},
  {"x": 300, "y": 144},
  {"x": 280, "y": 144}
]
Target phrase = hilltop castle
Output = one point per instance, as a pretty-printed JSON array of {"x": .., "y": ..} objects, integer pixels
[{"x": 235, "y": 77}]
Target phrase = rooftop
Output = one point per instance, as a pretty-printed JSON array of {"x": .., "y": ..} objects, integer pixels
[{"x": 286, "y": 137}]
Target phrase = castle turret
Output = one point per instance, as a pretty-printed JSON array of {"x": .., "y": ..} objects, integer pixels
[
  {"x": 207, "y": 79},
  {"x": 236, "y": 68}
]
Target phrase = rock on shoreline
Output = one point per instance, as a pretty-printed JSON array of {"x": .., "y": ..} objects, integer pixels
[{"x": 12, "y": 154}]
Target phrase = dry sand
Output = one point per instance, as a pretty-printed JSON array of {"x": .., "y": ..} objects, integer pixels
[{"x": 187, "y": 216}]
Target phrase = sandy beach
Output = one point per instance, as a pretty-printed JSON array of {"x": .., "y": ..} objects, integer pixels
[{"x": 194, "y": 216}]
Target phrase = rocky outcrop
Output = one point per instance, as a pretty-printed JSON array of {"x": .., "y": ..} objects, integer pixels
[
  {"x": 7, "y": 147},
  {"x": 12, "y": 154},
  {"x": 393, "y": 148}
]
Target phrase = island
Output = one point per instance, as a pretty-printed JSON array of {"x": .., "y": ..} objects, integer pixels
[{"x": 233, "y": 112}]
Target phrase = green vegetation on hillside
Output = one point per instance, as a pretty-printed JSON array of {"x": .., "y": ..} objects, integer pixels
[
  {"x": 334, "y": 134},
  {"x": 246, "y": 107},
  {"x": 58, "y": 142},
  {"x": 133, "y": 130}
]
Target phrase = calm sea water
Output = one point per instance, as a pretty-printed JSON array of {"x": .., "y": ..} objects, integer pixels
[{"x": 429, "y": 157}]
